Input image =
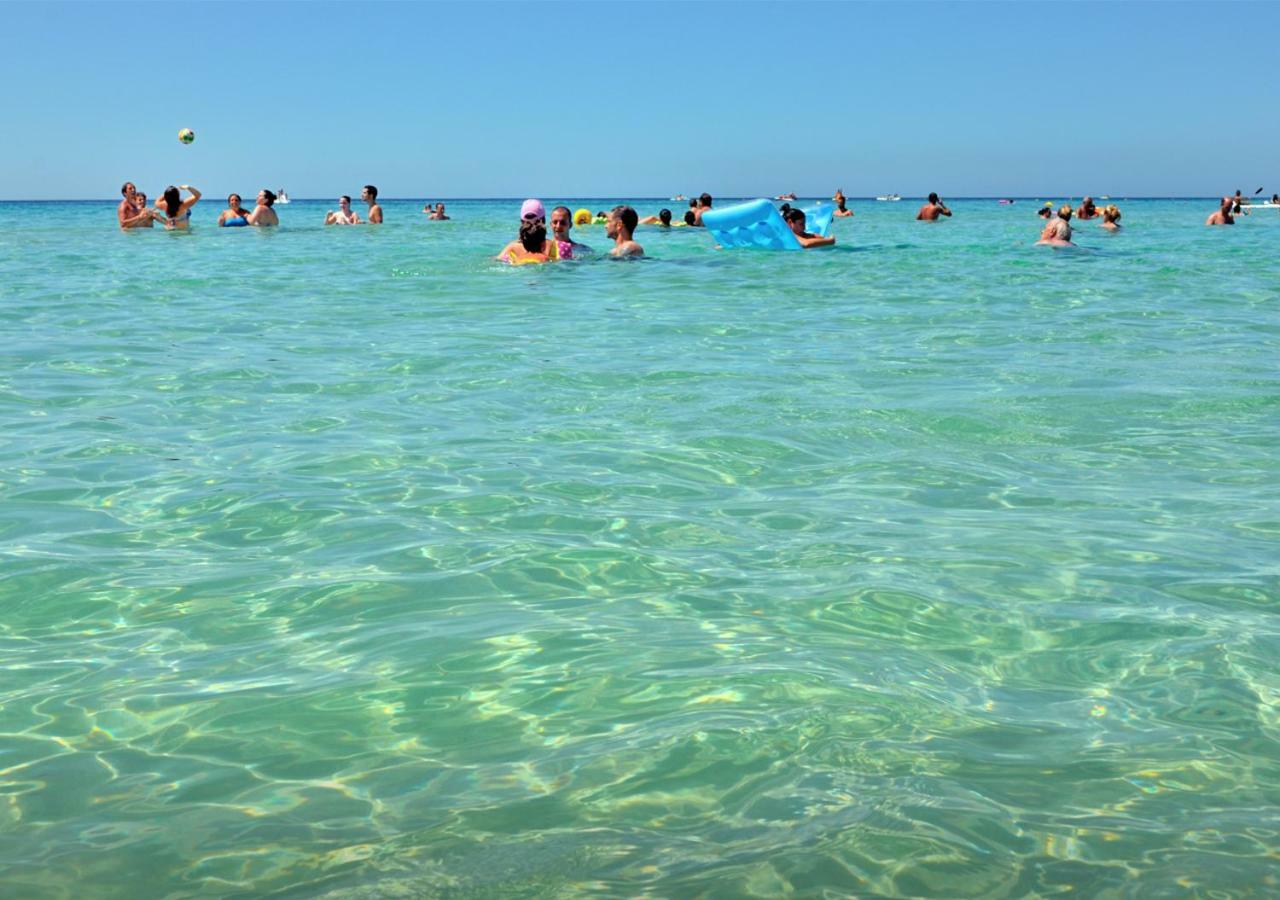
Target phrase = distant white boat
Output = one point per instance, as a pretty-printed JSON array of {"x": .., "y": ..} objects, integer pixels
[
  {"x": 679, "y": 197},
  {"x": 890, "y": 198},
  {"x": 281, "y": 196}
]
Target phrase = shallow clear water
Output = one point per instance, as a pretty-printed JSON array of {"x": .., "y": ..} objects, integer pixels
[{"x": 346, "y": 563}]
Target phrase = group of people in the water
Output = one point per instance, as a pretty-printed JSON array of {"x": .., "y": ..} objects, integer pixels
[
  {"x": 534, "y": 244},
  {"x": 173, "y": 211},
  {"x": 345, "y": 215}
]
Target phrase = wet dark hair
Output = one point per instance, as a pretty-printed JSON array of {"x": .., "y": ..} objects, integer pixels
[
  {"x": 933, "y": 198},
  {"x": 124, "y": 188},
  {"x": 705, "y": 199},
  {"x": 533, "y": 234},
  {"x": 627, "y": 215},
  {"x": 690, "y": 218},
  {"x": 841, "y": 202},
  {"x": 270, "y": 196},
  {"x": 172, "y": 200},
  {"x": 600, "y": 213},
  {"x": 664, "y": 216},
  {"x": 693, "y": 204},
  {"x": 346, "y": 197},
  {"x": 373, "y": 191},
  {"x": 795, "y": 215},
  {"x": 785, "y": 210},
  {"x": 1045, "y": 212}
]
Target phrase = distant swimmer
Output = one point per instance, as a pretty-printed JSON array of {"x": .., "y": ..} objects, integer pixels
[
  {"x": 263, "y": 216},
  {"x": 1086, "y": 210},
  {"x": 235, "y": 215},
  {"x": 1237, "y": 202},
  {"x": 1111, "y": 218},
  {"x": 690, "y": 218},
  {"x": 1045, "y": 212},
  {"x": 704, "y": 204},
  {"x": 842, "y": 211},
  {"x": 344, "y": 215},
  {"x": 1223, "y": 216},
  {"x": 438, "y": 214},
  {"x": 796, "y": 219},
  {"x": 562, "y": 244},
  {"x": 1275, "y": 199},
  {"x": 1057, "y": 233},
  {"x": 370, "y": 195},
  {"x": 175, "y": 210},
  {"x": 662, "y": 219},
  {"x": 620, "y": 226},
  {"x": 931, "y": 210}
]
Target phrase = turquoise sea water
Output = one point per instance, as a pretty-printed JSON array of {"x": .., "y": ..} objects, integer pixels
[{"x": 348, "y": 564}]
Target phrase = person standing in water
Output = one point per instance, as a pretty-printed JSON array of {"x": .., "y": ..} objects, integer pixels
[
  {"x": 263, "y": 216},
  {"x": 561, "y": 226},
  {"x": 1058, "y": 232},
  {"x": 1223, "y": 216},
  {"x": 235, "y": 215},
  {"x": 620, "y": 226},
  {"x": 704, "y": 204},
  {"x": 128, "y": 213},
  {"x": 370, "y": 195},
  {"x": 1087, "y": 210},
  {"x": 931, "y": 210},
  {"x": 842, "y": 212},
  {"x": 1111, "y": 218},
  {"x": 176, "y": 211},
  {"x": 345, "y": 215}
]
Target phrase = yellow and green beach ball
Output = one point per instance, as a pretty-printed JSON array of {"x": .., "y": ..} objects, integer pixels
[{"x": 186, "y": 135}]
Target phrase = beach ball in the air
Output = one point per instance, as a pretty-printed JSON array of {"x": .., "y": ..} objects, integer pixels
[{"x": 186, "y": 135}]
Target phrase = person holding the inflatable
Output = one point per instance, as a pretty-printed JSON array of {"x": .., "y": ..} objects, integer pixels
[{"x": 796, "y": 219}]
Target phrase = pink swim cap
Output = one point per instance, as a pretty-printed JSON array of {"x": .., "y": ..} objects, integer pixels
[{"x": 532, "y": 209}]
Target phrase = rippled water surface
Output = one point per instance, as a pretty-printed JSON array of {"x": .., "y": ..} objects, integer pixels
[{"x": 348, "y": 564}]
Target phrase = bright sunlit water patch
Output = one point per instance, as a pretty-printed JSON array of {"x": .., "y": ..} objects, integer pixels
[{"x": 349, "y": 564}]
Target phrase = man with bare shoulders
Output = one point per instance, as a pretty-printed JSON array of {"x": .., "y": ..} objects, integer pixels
[
  {"x": 619, "y": 228},
  {"x": 1223, "y": 215},
  {"x": 370, "y": 195},
  {"x": 931, "y": 210},
  {"x": 704, "y": 204},
  {"x": 1086, "y": 210},
  {"x": 127, "y": 213},
  {"x": 263, "y": 216}
]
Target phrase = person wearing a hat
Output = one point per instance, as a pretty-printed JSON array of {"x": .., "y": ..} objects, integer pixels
[{"x": 530, "y": 211}]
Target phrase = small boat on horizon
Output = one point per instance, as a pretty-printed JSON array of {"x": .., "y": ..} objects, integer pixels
[
  {"x": 281, "y": 196},
  {"x": 890, "y": 198}
]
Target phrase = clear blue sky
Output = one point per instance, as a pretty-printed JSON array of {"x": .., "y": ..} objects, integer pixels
[{"x": 641, "y": 99}]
